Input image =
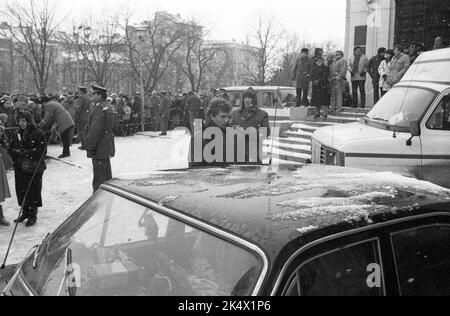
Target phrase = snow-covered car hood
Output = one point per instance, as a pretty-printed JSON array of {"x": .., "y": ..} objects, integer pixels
[
  {"x": 295, "y": 202},
  {"x": 340, "y": 135}
]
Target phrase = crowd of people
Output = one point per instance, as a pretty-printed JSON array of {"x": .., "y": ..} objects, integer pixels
[
  {"x": 28, "y": 124},
  {"x": 328, "y": 76}
]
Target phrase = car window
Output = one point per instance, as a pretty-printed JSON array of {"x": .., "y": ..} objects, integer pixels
[
  {"x": 422, "y": 258},
  {"x": 268, "y": 100},
  {"x": 236, "y": 98},
  {"x": 343, "y": 272},
  {"x": 401, "y": 105},
  {"x": 440, "y": 120},
  {"x": 123, "y": 248}
]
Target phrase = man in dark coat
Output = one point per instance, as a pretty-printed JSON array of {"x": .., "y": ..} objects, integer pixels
[
  {"x": 302, "y": 74},
  {"x": 82, "y": 115},
  {"x": 100, "y": 137},
  {"x": 373, "y": 69},
  {"x": 56, "y": 113},
  {"x": 164, "y": 112},
  {"x": 320, "y": 92},
  {"x": 194, "y": 104}
]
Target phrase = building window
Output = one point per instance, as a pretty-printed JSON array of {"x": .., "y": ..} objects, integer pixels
[{"x": 361, "y": 37}]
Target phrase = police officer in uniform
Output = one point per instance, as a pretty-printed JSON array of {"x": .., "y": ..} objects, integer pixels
[
  {"x": 100, "y": 137},
  {"x": 82, "y": 115}
]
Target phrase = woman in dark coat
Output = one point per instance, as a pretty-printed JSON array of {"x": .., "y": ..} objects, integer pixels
[
  {"x": 28, "y": 148},
  {"x": 320, "y": 92}
]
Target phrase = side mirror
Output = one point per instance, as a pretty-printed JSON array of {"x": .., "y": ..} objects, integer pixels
[{"x": 415, "y": 131}]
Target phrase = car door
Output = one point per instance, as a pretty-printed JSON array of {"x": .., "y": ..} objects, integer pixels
[
  {"x": 350, "y": 266},
  {"x": 436, "y": 143}
]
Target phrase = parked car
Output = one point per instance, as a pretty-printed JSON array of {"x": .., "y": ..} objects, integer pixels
[
  {"x": 408, "y": 130},
  {"x": 307, "y": 231}
]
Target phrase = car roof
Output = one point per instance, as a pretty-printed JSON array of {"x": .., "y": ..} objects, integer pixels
[
  {"x": 302, "y": 203},
  {"x": 264, "y": 88}
]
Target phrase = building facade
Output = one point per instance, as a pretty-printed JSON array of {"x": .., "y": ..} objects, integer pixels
[
  {"x": 372, "y": 24},
  {"x": 382, "y": 23}
]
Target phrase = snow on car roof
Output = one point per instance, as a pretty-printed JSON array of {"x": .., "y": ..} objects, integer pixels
[{"x": 300, "y": 201}]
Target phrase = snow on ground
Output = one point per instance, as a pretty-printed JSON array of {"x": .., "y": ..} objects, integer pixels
[{"x": 67, "y": 187}]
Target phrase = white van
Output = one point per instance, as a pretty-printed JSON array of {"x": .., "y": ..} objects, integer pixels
[{"x": 407, "y": 131}]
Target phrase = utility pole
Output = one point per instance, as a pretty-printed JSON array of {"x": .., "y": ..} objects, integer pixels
[{"x": 141, "y": 75}]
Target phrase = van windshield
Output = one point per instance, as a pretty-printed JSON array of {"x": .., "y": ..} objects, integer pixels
[{"x": 401, "y": 105}]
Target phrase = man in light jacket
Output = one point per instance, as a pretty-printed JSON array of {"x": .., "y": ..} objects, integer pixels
[
  {"x": 338, "y": 72},
  {"x": 399, "y": 66},
  {"x": 358, "y": 68}
]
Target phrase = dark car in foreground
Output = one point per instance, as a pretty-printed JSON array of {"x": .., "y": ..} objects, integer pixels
[{"x": 304, "y": 231}]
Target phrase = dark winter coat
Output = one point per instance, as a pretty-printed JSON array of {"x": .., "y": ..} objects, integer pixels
[
  {"x": 246, "y": 118},
  {"x": 56, "y": 113},
  {"x": 302, "y": 71},
  {"x": 194, "y": 104},
  {"x": 84, "y": 106},
  {"x": 29, "y": 144},
  {"x": 373, "y": 66},
  {"x": 100, "y": 137},
  {"x": 205, "y": 142},
  {"x": 321, "y": 89},
  {"x": 164, "y": 108}
]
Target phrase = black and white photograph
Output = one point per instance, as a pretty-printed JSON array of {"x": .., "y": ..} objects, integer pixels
[{"x": 199, "y": 149}]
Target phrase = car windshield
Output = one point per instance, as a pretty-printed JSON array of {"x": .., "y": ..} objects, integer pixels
[
  {"x": 401, "y": 105},
  {"x": 115, "y": 247}
]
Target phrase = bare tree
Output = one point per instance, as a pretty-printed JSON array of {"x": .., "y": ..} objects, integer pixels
[
  {"x": 266, "y": 35},
  {"x": 197, "y": 60},
  {"x": 32, "y": 27},
  {"x": 97, "y": 46},
  {"x": 151, "y": 48}
]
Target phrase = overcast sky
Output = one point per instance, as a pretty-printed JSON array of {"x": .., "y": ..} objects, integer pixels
[{"x": 313, "y": 20}]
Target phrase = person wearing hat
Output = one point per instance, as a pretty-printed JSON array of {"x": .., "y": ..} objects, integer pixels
[
  {"x": 84, "y": 106},
  {"x": 319, "y": 78},
  {"x": 100, "y": 137},
  {"x": 56, "y": 113},
  {"x": 302, "y": 75},
  {"x": 28, "y": 148},
  {"x": 164, "y": 112}
]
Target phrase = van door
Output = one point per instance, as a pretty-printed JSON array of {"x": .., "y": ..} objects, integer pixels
[{"x": 436, "y": 143}]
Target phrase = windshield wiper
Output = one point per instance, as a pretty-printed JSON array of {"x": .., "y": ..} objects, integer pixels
[{"x": 384, "y": 120}]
